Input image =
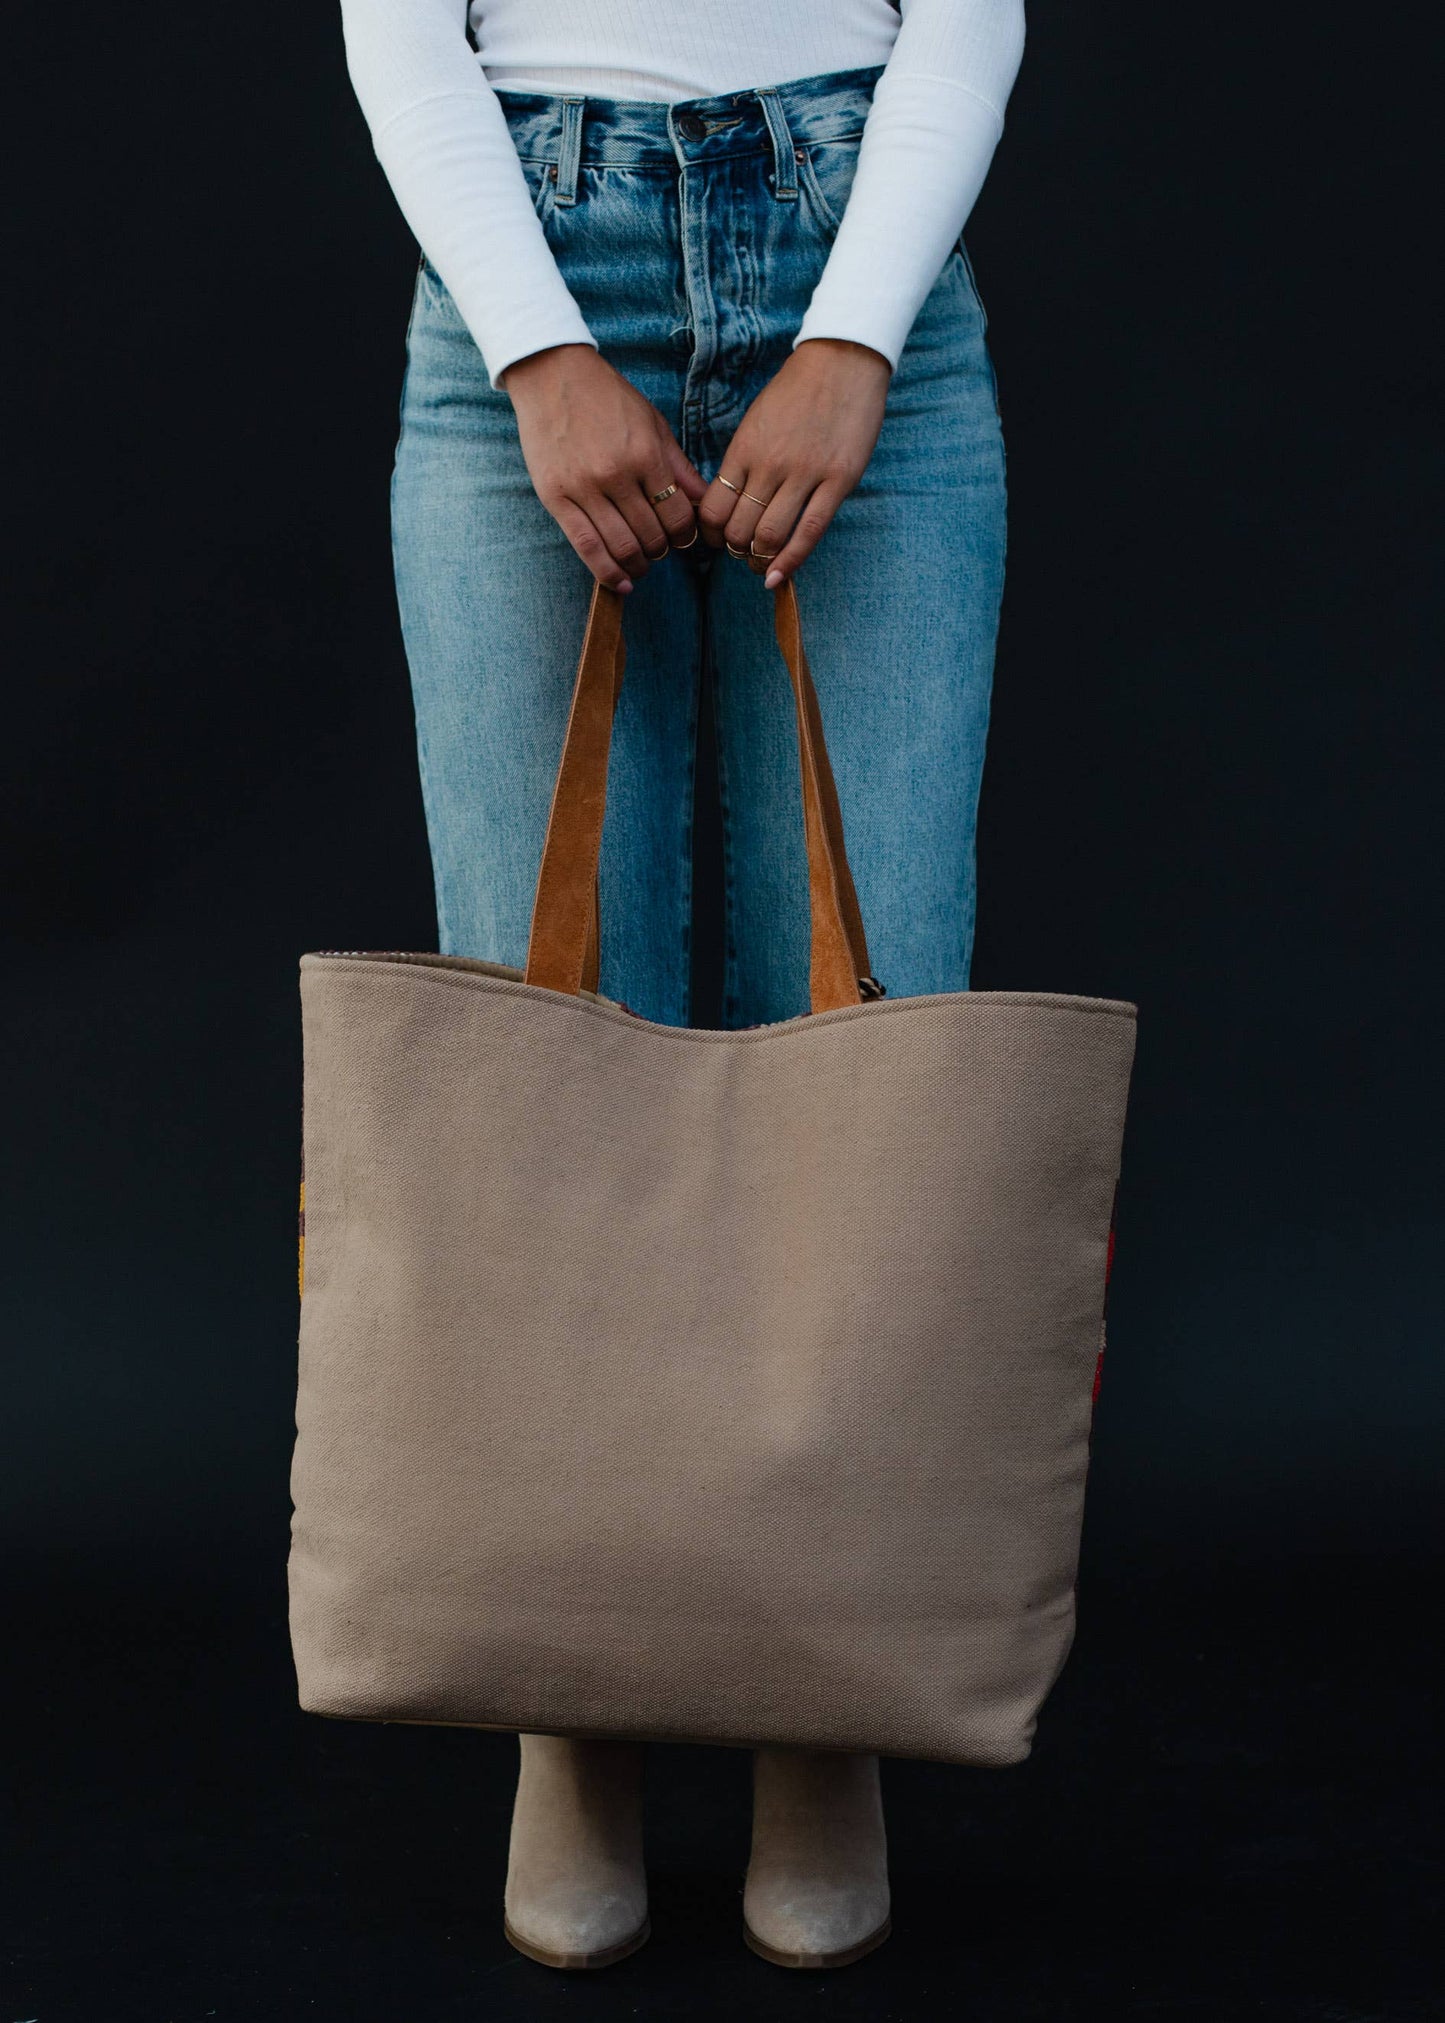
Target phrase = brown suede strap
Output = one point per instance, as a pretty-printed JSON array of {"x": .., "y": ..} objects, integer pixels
[
  {"x": 813, "y": 751},
  {"x": 592, "y": 961},
  {"x": 563, "y": 951}
]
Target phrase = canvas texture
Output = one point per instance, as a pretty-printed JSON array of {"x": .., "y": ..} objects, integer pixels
[{"x": 718, "y": 1386}]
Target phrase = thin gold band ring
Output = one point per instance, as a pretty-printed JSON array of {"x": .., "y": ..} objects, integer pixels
[
  {"x": 739, "y": 554},
  {"x": 730, "y": 485},
  {"x": 755, "y": 499}
]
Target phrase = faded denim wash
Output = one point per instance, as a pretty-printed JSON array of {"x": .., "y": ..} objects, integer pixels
[{"x": 692, "y": 237}]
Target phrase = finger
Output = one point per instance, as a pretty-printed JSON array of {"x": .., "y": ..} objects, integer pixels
[
  {"x": 717, "y": 505},
  {"x": 675, "y": 512},
  {"x": 748, "y": 508},
  {"x": 775, "y": 525},
  {"x": 637, "y": 509},
  {"x": 812, "y": 524},
  {"x": 623, "y": 540},
  {"x": 590, "y": 545},
  {"x": 682, "y": 471}
]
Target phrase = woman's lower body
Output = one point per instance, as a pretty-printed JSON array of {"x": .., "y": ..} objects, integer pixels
[{"x": 692, "y": 237}]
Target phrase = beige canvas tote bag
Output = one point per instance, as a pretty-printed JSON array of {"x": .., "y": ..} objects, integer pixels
[{"x": 722, "y": 1386}]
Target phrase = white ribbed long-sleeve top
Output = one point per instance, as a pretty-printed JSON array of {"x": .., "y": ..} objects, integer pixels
[{"x": 440, "y": 134}]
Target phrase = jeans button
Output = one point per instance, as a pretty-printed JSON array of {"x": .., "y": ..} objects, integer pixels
[{"x": 690, "y": 126}]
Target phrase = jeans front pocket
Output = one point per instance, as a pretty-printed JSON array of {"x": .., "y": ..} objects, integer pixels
[
  {"x": 960, "y": 254},
  {"x": 542, "y": 182},
  {"x": 432, "y": 302},
  {"x": 825, "y": 175}
]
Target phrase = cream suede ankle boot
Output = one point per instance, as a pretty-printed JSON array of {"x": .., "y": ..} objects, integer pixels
[
  {"x": 817, "y": 1887},
  {"x": 576, "y": 1889}
]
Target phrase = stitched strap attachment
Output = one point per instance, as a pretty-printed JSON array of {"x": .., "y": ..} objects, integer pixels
[{"x": 562, "y": 951}]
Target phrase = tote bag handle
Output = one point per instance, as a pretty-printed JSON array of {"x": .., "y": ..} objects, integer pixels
[{"x": 562, "y": 953}]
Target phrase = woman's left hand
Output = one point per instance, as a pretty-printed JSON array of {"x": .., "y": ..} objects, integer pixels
[{"x": 798, "y": 452}]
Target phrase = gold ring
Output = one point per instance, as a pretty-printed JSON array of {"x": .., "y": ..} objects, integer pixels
[
  {"x": 762, "y": 558},
  {"x": 729, "y": 483},
  {"x": 740, "y": 554},
  {"x": 665, "y": 549},
  {"x": 755, "y": 499},
  {"x": 688, "y": 543},
  {"x": 665, "y": 493}
]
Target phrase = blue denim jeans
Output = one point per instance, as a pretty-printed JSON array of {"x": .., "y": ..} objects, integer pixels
[{"x": 692, "y": 237}]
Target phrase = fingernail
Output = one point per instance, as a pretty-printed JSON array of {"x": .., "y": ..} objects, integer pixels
[
  {"x": 773, "y": 578},
  {"x": 624, "y": 586}
]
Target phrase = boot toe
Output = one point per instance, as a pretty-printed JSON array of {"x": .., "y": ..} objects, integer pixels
[
  {"x": 572, "y": 1927},
  {"x": 807, "y": 1922}
]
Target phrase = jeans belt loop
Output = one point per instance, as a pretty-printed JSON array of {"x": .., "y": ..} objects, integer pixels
[
  {"x": 569, "y": 151},
  {"x": 785, "y": 166}
]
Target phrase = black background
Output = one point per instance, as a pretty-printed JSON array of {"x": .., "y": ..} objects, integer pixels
[{"x": 1212, "y": 787}]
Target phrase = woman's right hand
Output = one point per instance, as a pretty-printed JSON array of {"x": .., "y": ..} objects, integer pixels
[{"x": 598, "y": 454}]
